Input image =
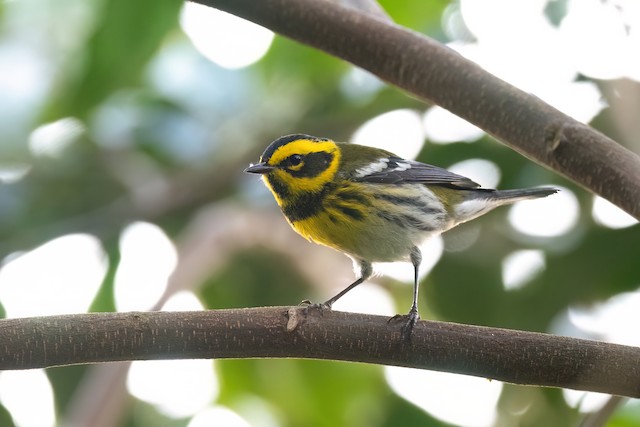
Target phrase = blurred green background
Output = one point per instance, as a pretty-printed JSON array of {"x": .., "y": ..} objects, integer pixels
[{"x": 124, "y": 130}]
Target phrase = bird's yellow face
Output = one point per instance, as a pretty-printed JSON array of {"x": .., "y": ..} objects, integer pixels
[{"x": 298, "y": 164}]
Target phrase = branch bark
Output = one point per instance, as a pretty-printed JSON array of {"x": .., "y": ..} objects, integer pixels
[
  {"x": 433, "y": 72},
  {"x": 512, "y": 356}
]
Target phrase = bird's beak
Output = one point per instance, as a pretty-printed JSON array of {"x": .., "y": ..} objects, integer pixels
[{"x": 260, "y": 168}]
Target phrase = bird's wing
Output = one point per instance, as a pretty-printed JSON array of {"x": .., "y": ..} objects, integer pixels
[{"x": 395, "y": 170}]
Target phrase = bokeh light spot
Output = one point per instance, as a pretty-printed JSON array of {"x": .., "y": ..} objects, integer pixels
[
  {"x": 443, "y": 395},
  {"x": 218, "y": 416},
  {"x": 484, "y": 172},
  {"x": 585, "y": 401},
  {"x": 177, "y": 388},
  {"x": 183, "y": 301},
  {"x": 360, "y": 85},
  {"x": 11, "y": 173},
  {"x": 52, "y": 138},
  {"x": 147, "y": 258},
  {"x": 611, "y": 320},
  {"x": 59, "y": 277},
  {"x": 609, "y": 215},
  {"x": 367, "y": 298},
  {"x": 520, "y": 267},
  {"x": 23, "y": 391},
  {"x": 398, "y": 131},
  {"x": 444, "y": 127},
  {"x": 550, "y": 216},
  {"x": 431, "y": 249},
  {"x": 225, "y": 39}
]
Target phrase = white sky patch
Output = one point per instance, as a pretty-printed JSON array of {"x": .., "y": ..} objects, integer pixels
[
  {"x": 398, "y": 131},
  {"x": 612, "y": 320},
  {"x": 52, "y": 138},
  {"x": 177, "y": 388},
  {"x": 602, "y": 37},
  {"x": 367, "y": 298},
  {"x": 148, "y": 257},
  {"x": 375, "y": 167},
  {"x": 521, "y": 267},
  {"x": 444, "y": 127},
  {"x": 431, "y": 252},
  {"x": 225, "y": 39},
  {"x": 59, "y": 277},
  {"x": 549, "y": 216},
  {"x": 218, "y": 416},
  {"x": 580, "y": 100},
  {"x": 484, "y": 172},
  {"x": 28, "y": 397},
  {"x": 444, "y": 395},
  {"x": 517, "y": 17},
  {"x": 522, "y": 58},
  {"x": 609, "y": 215}
]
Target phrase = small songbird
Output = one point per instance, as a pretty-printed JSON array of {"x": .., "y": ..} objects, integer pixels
[{"x": 369, "y": 203}]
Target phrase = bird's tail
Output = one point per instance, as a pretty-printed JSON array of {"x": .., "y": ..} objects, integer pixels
[
  {"x": 512, "y": 196},
  {"x": 481, "y": 201}
]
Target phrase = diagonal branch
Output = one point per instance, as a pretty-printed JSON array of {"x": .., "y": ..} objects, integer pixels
[
  {"x": 512, "y": 356},
  {"x": 433, "y": 72}
]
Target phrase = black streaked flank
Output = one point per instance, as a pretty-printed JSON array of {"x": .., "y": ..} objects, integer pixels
[
  {"x": 405, "y": 220},
  {"x": 413, "y": 222},
  {"x": 407, "y": 201},
  {"x": 354, "y": 196},
  {"x": 351, "y": 212}
]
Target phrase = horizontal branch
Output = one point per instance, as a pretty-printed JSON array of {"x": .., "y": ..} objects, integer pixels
[
  {"x": 433, "y": 72},
  {"x": 507, "y": 355}
]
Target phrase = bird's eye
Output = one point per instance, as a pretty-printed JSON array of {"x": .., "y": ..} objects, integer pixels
[{"x": 295, "y": 159}]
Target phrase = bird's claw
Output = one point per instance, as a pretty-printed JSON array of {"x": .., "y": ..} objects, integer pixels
[
  {"x": 308, "y": 305},
  {"x": 409, "y": 321}
]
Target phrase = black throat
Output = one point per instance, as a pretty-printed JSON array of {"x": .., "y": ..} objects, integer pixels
[{"x": 302, "y": 206}]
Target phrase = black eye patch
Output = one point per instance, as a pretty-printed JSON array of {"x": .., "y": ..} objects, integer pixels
[
  {"x": 293, "y": 160},
  {"x": 314, "y": 164}
]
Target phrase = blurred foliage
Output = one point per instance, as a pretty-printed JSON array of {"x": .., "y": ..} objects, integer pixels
[
  {"x": 147, "y": 127},
  {"x": 241, "y": 282},
  {"x": 115, "y": 55}
]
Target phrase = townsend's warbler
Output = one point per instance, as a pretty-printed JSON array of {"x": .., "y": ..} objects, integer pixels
[{"x": 369, "y": 203}]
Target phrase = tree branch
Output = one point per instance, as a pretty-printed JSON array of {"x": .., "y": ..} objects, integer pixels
[
  {"x": 506, "y": 355},
  {"x": 433, "y": 72}
]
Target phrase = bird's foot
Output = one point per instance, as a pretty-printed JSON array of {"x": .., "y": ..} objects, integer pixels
[
  {"x": 308, "y": 305},
  {"x": 408, "y": 322}
]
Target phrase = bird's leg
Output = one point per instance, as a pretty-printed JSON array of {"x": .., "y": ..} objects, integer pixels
[
  {"x": 366, "y": 270},
  {"x": 416, "y": 259},
  {"x": 412, "y": 317}
]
